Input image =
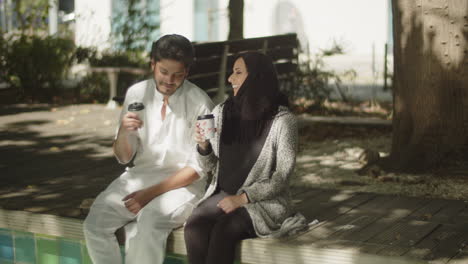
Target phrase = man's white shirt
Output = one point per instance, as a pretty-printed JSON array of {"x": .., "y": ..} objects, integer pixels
[{"x": 164, "y": 146}]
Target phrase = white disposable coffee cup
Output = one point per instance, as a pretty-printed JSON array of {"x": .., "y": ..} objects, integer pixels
[
  {"x": 137, "y": 108},
  {"x": 206, "y": 122}
]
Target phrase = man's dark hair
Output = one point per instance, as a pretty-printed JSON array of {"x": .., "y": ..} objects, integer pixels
[{"x": 174, "y": 47}]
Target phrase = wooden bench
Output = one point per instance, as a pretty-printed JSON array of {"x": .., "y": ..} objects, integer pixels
[{"x": 212, "y": 59}]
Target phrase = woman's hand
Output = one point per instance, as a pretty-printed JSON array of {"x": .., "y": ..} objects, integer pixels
[
  {"x": 200, "y": 138},
  {"x": 230, "y": 203},
  {"x": 137, "y": 200}
]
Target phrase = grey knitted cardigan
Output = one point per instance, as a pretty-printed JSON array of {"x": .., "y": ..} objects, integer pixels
[{"x": 267, "y": 185}]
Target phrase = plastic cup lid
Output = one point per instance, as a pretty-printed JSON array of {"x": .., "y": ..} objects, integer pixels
[
  {"x": 136, "y": 106},
  {"x": 209, "y": 116}
]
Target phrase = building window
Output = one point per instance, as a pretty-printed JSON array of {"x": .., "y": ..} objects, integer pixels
[
  {"x": 206, "y": 22},
  {"x": 389, "y": 27},
  {"x": 136, "y": 26}
]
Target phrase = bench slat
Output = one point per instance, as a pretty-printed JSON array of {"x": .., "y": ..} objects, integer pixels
[
  {"x": 286, "y": 68},
  {"x": 210, "y": 48},
  {"x": 211, "y": 64}
]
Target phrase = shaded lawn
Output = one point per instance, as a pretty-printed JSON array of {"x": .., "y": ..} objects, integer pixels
[{"x": 329, "y": 157}]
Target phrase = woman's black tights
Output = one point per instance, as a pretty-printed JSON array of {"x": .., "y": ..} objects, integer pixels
[{"x": 211, "y": 235}]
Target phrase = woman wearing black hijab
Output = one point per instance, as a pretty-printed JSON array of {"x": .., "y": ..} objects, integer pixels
[{"x": 251, "y": 156}]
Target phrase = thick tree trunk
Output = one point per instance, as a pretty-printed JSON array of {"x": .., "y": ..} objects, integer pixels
[
  {"x": 236, "y": 19},
  {"x": 430, "y": 123}
]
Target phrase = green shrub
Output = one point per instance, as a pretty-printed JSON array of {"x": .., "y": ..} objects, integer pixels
[
  {"x": 36, "y": 65},
  {"x": 312, "y": 81},
  {"x": 94, "y": 88},
  {"x": 3, "y": 62}
]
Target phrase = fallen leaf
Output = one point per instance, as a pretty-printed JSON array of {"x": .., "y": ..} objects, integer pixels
[
  {"x": 54, "y": 149},
  {"x": 426, "y": 216},
  {"x": 62, "y": 122}
]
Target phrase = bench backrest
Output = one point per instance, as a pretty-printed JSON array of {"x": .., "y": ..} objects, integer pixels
[{"x": 212, "y": 59}]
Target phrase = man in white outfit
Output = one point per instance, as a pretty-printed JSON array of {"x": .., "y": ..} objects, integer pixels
[{"x": 158, "y": 193}]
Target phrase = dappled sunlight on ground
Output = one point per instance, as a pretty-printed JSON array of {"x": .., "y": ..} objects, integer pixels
[{"x": 332, "y": 162}]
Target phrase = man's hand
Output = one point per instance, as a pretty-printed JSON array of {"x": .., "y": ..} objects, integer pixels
[
  {"x": 230, "y": 203},
  {"x": 137, "y": 200},
  {"x": 131, "y": 122},
  {"x": 123, "y": 149}
]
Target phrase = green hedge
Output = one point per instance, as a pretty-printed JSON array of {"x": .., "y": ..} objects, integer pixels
[{"x": 35, "y": 65}]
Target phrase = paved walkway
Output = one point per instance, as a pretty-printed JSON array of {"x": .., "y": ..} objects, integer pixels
[{"x": 54, "y": 158}]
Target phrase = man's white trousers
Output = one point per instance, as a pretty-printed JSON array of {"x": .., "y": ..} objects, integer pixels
[{"x": 146, "y": 239}]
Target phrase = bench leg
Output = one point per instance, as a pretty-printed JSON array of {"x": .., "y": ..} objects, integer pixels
[{"x": 112, "y": 76}]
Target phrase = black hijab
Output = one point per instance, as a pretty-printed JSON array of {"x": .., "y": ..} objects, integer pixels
[
  {"x": 247, "y": 119},
  {"x": 246, "y": 115}
]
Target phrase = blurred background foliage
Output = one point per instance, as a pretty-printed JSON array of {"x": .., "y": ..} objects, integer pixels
[
  {"x": 42, "y": 68},
  {"x": 38, "y": 68},
  {"x": 135, "y": 24},
  {"x": 312, "y": 85},
  {"x": 94, "y": 87},
  {"x": 31, "y": 16},
  {"x": 36, "y": 65}
]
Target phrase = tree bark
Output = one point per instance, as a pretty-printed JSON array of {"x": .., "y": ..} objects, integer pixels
[
  {"x": 430, "y": 122},
  {"x": 236, "y": 19}
]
